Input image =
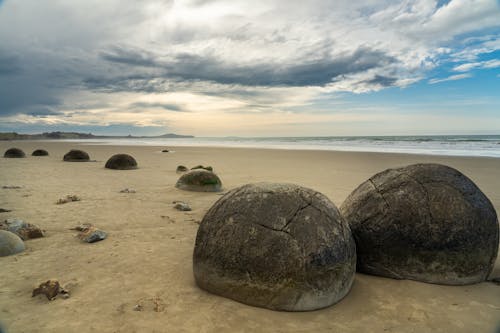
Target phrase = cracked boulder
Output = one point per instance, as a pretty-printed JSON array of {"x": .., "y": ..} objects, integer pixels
[
  {"x": 424, "y": 222},
  {"x": 277, "y": 246}
]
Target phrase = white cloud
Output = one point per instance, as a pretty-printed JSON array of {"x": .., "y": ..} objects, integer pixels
[
  {"x": 450, "y": 78},
  {"x": 494, "y": 63}
]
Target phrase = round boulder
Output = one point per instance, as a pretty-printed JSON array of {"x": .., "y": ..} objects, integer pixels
[
  {"x": 424, "y": 222},
  {"x": 40, "y": 152},
  {"x": 121, "y": 162},
  {"x": 75, "y": 155},
  {"x": 14, "y": 153},
  {"x": 10, "y": 243},
  {"x": 199, "y": 180},
  {"x": 181, "y": 168},
  {"x": 278, "y": 246}
]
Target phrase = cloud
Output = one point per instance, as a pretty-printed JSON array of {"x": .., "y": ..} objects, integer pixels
[
  {"x": 450, "y": 78},
  {"x": 93, "y": 60},
  {"x": 495, "y": 63},
  {"x": 165, "y": 106}
]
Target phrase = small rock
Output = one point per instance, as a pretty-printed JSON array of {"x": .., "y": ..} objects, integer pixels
[
  {"x": 3, "y": 210},
  {"x": 22, "y": 229},
  {"x": 181, "y": 168},
  {"x": 127, "y": 190},
  {"x": 90, "y": 234},
  {"x": 49, "y": 288},
  {"x": 182, "y": 206},
  {"x": 165, "y": 151},
  {"x": 69, "y": 198},
  {"x": 138, "y": 307},
  {"x": 11, "y": 187}
]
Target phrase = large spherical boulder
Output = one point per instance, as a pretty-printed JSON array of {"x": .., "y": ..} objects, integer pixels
[
  {"x": 278, "y": 246},
  {"x": 40, "y": 152},
  {"x": 14, "y": 153},
  {"x": 425, "y": 222},
  {"x": 10, "y": 243},
  {"x": 75, "y": 155},
  {"x": 121, "y": 162},
  {"x": 199, "y": 180}
]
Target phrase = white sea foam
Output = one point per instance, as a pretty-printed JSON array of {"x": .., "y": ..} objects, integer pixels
[{"x": 484, "y": 145}]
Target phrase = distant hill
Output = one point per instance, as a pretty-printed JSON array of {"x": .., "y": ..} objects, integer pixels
[{"x": 75, "y": 135}]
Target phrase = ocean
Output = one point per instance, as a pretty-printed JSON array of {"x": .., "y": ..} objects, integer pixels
[{"x": 450, "y": 145}]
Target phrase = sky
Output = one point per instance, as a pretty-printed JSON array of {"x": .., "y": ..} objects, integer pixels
[{"x": 250, "y": 68}]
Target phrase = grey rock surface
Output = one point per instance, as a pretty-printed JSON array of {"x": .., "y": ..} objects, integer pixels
[
  {"x": 199, "y": 180},
  {"x": 425, "y": 222},
  {"x": 10, "y": 243},
  {"x": 278, "y": 246}
]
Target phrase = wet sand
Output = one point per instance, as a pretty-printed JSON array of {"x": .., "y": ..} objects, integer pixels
[{"x": 146, "y": 258}]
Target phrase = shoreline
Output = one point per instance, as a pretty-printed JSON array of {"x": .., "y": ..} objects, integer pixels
[{"x": 147, "y": 256}]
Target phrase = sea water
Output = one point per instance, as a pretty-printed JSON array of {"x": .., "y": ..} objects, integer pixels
[{"x": 454, "y": 145}]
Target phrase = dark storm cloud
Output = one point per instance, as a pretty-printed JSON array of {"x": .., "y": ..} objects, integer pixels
[
  {"x": 133, "y": 57},
  {"x": 9, "y": 64},
  {"x": 384, "y": 81},
  {"x": 191, "y": 67}
]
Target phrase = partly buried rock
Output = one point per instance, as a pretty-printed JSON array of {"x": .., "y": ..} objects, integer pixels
[
  {"x": 278, "y": 246},
  {"x": 208, "y": 168},
  {"x": 50, "y": 289},
  {"x": 68, "y": 198},
  {"x": 14, "y": 153},
  {"x": 75, "y": 155},
  {"x": 127, "y": 190},
  {"x": 425, "y": 222},
  {"x": 182, "y": 206},
  {"x": 10, "y": 243},
  {"x": 90, "y": 234},
  {"x": 199, "y": 180},
  {"x": 40, "y": 152},
  {"x": 165, "y": 150},
  {"x": 181, "y": 168},
  {"x": 121, "y": 162},
  {"x": 22, "y": 229}
]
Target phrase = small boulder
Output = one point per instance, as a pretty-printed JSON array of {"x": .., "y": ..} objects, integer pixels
[
  {"x": 75, "y": 155},
  {"x": 199, "y": 180},
  {"x": 14, "y": 153},
  {"x": 278, "y": 246},
  {"x": 121, "y": 162},
  {"x": 40, "y": 152},
  {"x": 424, "y": 222},
  {"x": 68, "y": 198},
  {"x": 22, "y": 229},
  {"x": 10, "y": 243},
  {"x": 181, "y": 169},
  {"x": 165, "y": 151},
  {"x": 127, "y": 190}
]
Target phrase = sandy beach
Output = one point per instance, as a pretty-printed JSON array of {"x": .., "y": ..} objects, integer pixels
[{"x": 147, "y": 257}]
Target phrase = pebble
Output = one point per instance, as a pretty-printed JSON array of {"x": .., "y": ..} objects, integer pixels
[{"x": 182, "y": 206}]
